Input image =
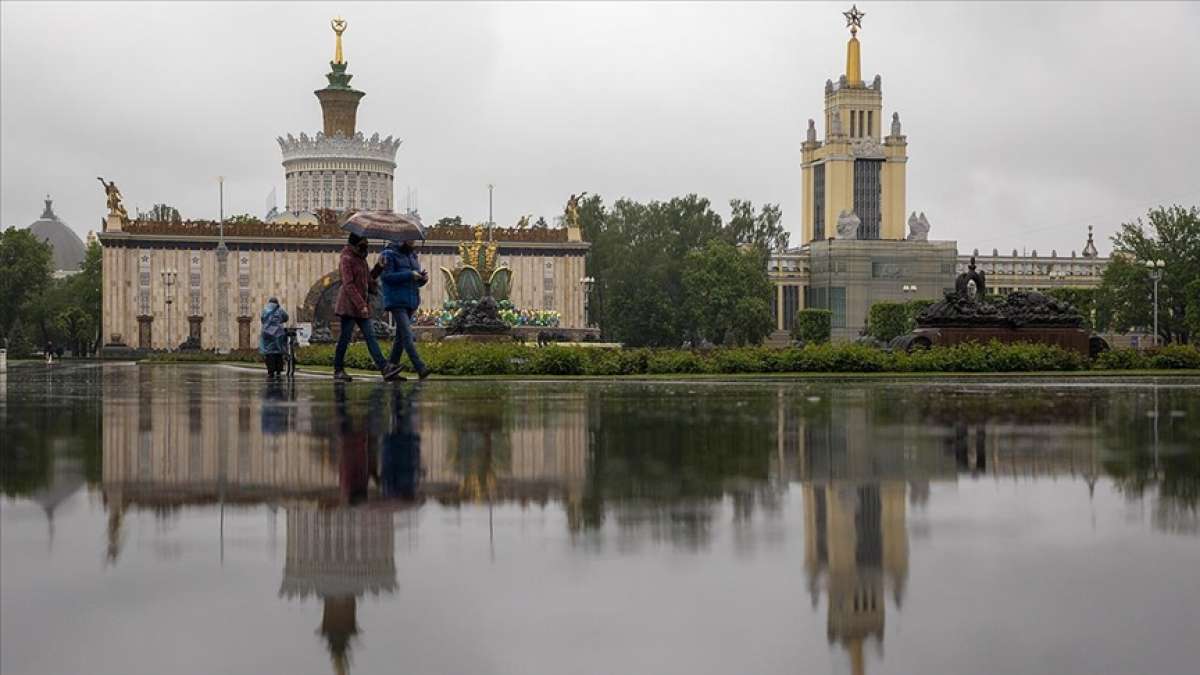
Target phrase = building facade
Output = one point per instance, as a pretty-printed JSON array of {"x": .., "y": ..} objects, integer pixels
[
  {"x": 202, "y": 284},
  {"x": 855, "y": 251}
]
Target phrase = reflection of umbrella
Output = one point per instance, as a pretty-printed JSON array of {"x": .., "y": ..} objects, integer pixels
[{"x": 385, "y": 225}]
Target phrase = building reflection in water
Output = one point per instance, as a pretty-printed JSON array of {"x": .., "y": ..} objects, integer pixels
[{"x": 342, "y": 462}]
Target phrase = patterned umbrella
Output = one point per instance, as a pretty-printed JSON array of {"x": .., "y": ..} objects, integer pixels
[{"x": 385, "y": 225}]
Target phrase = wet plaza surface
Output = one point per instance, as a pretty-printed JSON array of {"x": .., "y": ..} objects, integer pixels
[{"x": 194, "y": 519}]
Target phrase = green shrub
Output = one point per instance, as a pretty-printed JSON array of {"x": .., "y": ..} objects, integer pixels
[
  {"x": 887, "y": 320},
  {"x": 1121, "y": 359},
  {"x": 556, "y": 360},
  {"x": 739, "y": 360},
  {"x": 812, "y": 325},
  {"x": 1175, "y": 356},
  {"x": 674, "y": 361}
]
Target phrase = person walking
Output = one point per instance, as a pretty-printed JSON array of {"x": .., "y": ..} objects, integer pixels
[
  {"x": 272, "y": 341},
  {"x": 402, "y": 278},
  {"x": 354, "y": 310}
]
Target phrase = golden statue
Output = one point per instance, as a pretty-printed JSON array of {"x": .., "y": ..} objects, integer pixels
[
  {"x": 115, "y": 208},
  {"x": 573, "y": 209},
  {"x": 339, "y": 27}
]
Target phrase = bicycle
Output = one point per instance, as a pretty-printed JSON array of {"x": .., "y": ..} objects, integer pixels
[{"x": 289, "y": 353}]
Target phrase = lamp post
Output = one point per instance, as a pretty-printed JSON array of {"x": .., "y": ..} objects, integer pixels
[
  {"x": 587, "y": 282},
  {"x": 1156, "y": 272},
  {"x": 168, "y": 278},
  {"x": 491, "y": 221},
  {"x": 908, "y": 288}
]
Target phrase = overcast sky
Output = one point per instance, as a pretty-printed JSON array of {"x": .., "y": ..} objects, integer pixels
[{"x": 1025, "y": 122}]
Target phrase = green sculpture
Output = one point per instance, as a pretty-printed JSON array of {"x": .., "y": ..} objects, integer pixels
[{"x": 478, "y": 274}]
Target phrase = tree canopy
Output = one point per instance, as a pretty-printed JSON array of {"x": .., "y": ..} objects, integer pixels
[
  {"x": 1172, "y": 235},
  {"x": 639, "y": 256},
  {"x": 24, "y": 274}
]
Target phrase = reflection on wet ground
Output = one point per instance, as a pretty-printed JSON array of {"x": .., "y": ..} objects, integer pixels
[{"x": 519, "y": 527}]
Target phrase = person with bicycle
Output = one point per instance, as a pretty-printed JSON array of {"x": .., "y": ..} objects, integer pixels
[{"x": 273, "y": 341}]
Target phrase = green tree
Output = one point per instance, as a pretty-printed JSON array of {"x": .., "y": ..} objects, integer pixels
[
  {"x": 726, "y": 295},
  {"x": 243, "y": 219},
  {"x": 1084, "y": 300},
  {"x": 449, "y": 221},
  {"x": 164, "y": 213},
  {"x": 762, "y": 229},
  {"x": 24, "y": 273},
  {"x": 1172, "y": 234}
]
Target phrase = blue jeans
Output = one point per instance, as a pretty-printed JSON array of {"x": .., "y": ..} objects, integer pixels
[
  {"x": 347, "y": 333},
  {"x": 404, "y": 339}
]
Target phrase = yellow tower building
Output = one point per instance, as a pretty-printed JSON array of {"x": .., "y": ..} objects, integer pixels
[{"x": 856, "y": 170}]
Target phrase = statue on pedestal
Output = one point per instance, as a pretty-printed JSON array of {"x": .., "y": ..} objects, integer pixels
[{"x": 115, "y": 208}]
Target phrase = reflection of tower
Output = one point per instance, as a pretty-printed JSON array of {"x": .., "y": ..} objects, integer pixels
[
  {"x": 856, "y": 541},
  {"x": 338, "y": 554}
]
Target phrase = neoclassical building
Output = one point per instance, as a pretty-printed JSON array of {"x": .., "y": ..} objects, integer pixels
[
  {"x": 201, "y": 284},
  {"x": 855, "y": 250}
]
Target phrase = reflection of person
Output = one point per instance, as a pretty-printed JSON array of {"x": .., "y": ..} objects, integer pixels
[
  {"x": 400, "y": 461},
  {"x": 272, "y": 342},
  {"x": 402, "y": 279},
  {"x": 354, "y": 462},
  {"x": 275, "y": 415},
  {"x": 354, "y": 310}
]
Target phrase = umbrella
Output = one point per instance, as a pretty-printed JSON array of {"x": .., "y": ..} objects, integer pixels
[{"x": 385, "y": 225}]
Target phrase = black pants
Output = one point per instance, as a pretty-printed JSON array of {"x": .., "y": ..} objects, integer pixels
[{"x": 274, "y": 363}]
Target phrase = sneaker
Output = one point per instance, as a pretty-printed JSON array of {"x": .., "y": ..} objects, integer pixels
[
  {"x": 425, "y": 372},
  {"x": 341, "y": 376},
  {"x": 391, "y": 373}
]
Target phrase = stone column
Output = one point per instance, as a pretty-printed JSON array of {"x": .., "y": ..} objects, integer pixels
[{"x": 224, "y": 344}]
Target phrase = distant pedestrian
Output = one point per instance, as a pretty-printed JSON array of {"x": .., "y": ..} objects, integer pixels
[
  {"x": 402, "y": 278},
  {"x": 49, "y": 352},
  {"x": 273, "y": 340},
  {"x": 354, "y": 310}
]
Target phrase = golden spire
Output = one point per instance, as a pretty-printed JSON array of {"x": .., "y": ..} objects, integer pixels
[
  {"x": 339, "y": 27},
  {"x": 853, "y": 62}
]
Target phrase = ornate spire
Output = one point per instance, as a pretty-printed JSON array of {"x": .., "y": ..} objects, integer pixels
[
  {"x": 48, "y": 212},
  {"x": 339, "y": 101},
  {"x": 1089, "y": 250},
  {"x": 853, "y": 61},
  {"x": 339, "y": 27}
]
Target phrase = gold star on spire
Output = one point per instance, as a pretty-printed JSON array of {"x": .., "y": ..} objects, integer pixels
[{"x": 854, "y": 19}]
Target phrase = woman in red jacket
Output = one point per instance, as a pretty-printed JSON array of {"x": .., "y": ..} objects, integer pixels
[{"x": 354, "y": 310}]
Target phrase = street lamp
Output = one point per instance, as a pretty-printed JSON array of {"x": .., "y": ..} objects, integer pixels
[
  {"x": 909, "y": 288},
  {"x": 168, "y": 278},
  {"x": 587, "y": 282},
  {"x": 1156, "y": 272}
]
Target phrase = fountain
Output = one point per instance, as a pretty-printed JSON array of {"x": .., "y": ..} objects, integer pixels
[
  {"x": 967, "y": 314},
  {"x": 477, "y": 285}
]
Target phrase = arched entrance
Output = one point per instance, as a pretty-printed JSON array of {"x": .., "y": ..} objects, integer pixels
[{"x": 318, "y": 309}]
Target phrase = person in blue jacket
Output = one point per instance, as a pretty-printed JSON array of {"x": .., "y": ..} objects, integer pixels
[
  {"x": 401, "y": 279},
  {"x": 272, "y": 342}
]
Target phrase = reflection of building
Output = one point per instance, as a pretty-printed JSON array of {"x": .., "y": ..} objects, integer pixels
[
  {"x": 855, "y": 250},
  {"x": 166, "y": 282},
  {"x": 339, "y": 555}
]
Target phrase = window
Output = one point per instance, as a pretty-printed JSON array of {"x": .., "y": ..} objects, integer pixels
[
  {"x": 867, "y": 196},
  {"x": 819, "y": 202},
  {"x": 870, "y": 122}
]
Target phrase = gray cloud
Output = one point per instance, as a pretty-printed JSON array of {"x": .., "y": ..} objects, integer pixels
[{"x": 1026, "y": 122}]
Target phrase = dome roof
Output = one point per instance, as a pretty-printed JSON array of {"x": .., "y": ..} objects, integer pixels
[{"x": 68, "y": 247}]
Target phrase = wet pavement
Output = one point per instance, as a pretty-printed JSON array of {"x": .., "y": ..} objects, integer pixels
[{"x": 196, "y": 519}]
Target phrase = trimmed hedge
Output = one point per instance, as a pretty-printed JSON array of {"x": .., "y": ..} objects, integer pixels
[
  {"x": 813, "y": 325},
  {"x": 887, "y": 320},
  {"x": 518, "y": 359}
]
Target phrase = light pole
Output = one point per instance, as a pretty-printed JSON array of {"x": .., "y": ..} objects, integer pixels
[
  {"x": 587, "y": 282},
  {"x": 1156, "y": 272},
  {"x": 168, "y": 279},
  {"x": 222, "y": 275},
  {"x": 908, "y": 288},
  {"x": 491, "y": 222}
]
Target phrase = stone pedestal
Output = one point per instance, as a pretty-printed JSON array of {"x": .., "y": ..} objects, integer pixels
[{"x": 192, "y": 343}]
